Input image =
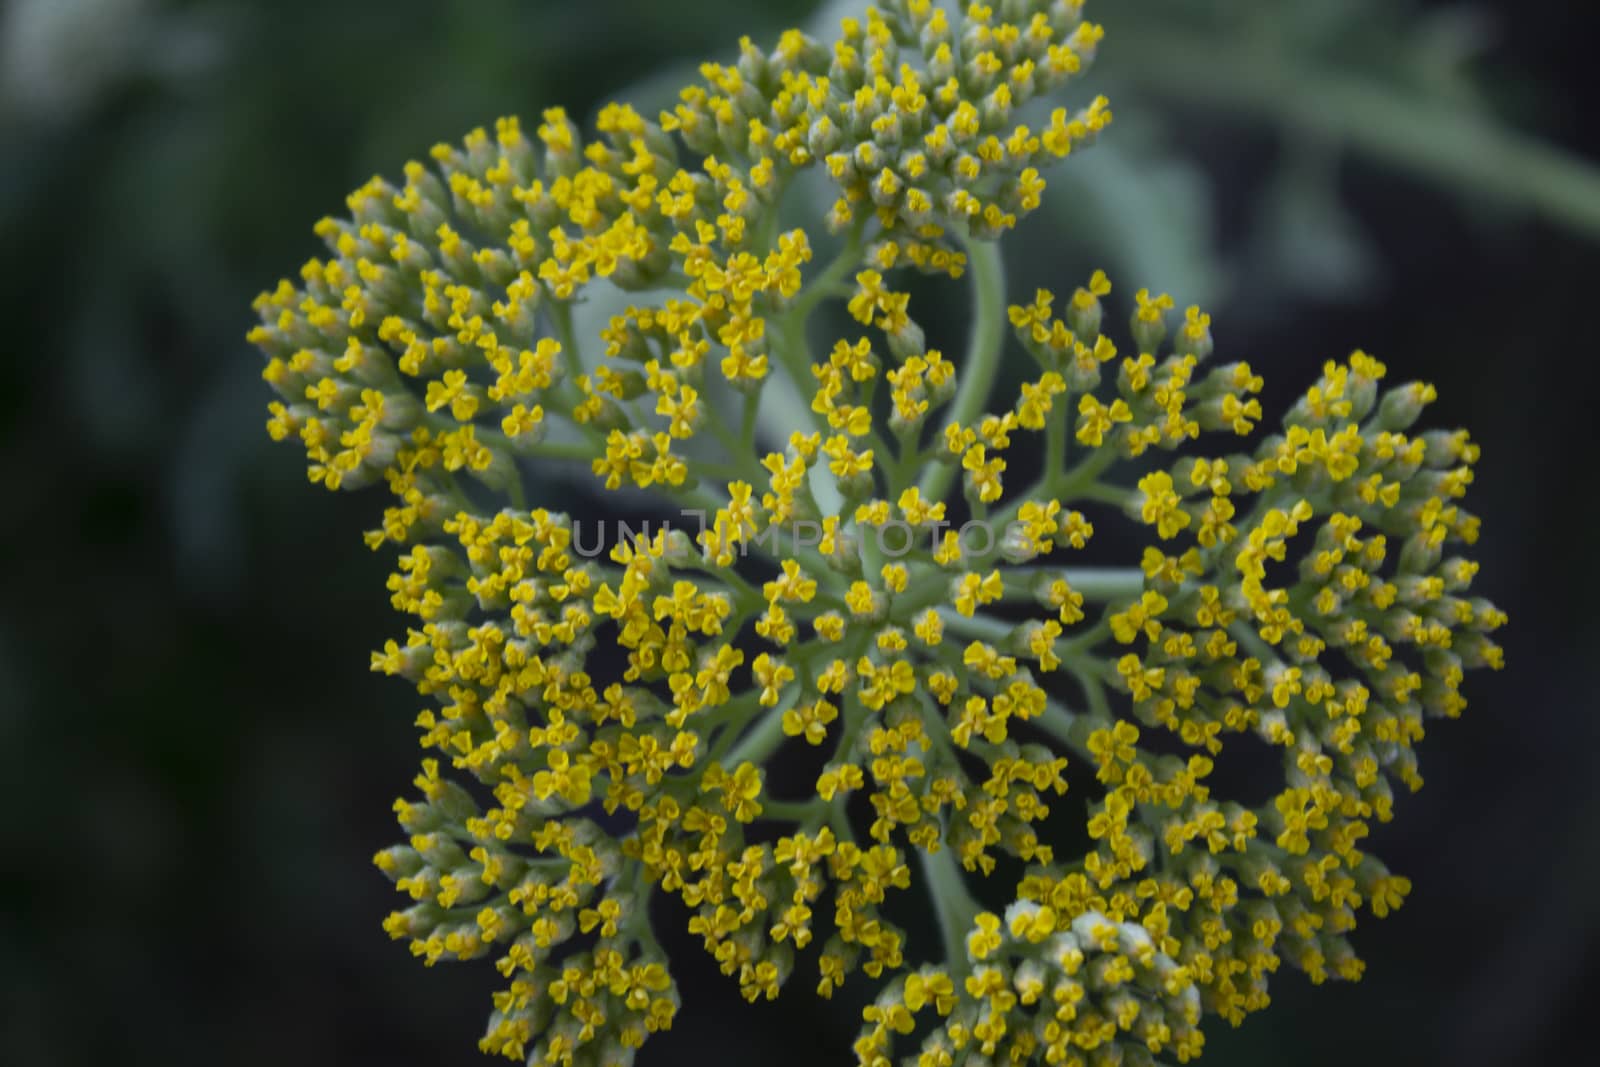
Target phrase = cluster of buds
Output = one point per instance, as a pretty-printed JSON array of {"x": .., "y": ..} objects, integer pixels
[{"x": 602, "y": 726}]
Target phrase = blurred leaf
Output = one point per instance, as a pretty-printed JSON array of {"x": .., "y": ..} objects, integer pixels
[
  {"x": 1305, "y": 239},
  {"x": 1348, "y": 73},
  {"x": 1145, "y": 210}
]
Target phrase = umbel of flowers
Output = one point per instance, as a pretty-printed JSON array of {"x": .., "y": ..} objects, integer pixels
[{"x": 601, "y": 730}]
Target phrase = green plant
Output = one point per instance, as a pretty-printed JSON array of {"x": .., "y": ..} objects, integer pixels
[{"x": 615, "y": 717}]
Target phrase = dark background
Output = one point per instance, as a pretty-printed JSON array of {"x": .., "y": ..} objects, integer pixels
[{"x": 195, "y": 764}]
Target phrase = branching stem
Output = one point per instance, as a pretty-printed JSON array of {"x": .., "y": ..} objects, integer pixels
[{"x": 983, "y": 354}]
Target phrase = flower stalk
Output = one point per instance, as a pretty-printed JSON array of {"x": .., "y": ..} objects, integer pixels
[
  {"x": 953, "y": 904},
  {"x": 983, "y": 353}
]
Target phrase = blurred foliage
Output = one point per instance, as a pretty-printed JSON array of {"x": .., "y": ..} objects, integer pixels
[
  {"x": 1391, "y": 81},
  {"x": 184, "y": 852}
]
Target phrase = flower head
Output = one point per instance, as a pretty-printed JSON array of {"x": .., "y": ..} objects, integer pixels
[{"x": 604, "y": 727}]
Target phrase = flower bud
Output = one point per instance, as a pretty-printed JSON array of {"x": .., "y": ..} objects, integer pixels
[
  {"x": 824, "y": 138},
  {"x": 1401, "y": 406},
  {"x": 1419, "y": 555}
]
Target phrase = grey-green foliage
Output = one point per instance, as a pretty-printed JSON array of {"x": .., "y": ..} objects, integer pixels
[
  {"x": 164, "y": 158},
  {"x": 186, "y": 143},
  {"x": 1318, "y": 81},
  {"x": 1386, "y": 81}
]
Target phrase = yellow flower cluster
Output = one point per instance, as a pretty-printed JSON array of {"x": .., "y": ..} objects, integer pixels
[{"x": 612, "y": 717}]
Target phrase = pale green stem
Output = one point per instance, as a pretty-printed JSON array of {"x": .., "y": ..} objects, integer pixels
[
  {"x": 742, "y": 457},
  {"x": 1245, "y": 632},
  {"x": 794, "y": 350},
  {"x": 1097, "y": 584},
  {"x": 561, "y": 316},
  {"x": 786, "y": 399},
  {"x": 980, "y": 626},
  {"x": 952, "y": 902},
  {"x": 747, "y": 424},
  {"x": 1055, "y": 440},
  {"x": 762, "y": 740},
  {"x": 1106, "y": 494},
  {"x": 983, "y": 354},
  {"x": 1076, "y": 483},
  {"x": 1071, "y": 728},
  {"x": 793, "y": 810},
  {"x": 820, "y": 286},
  {"x": 1094, "y": 691},
  {"x": 553, "y": 450},
  {"x": 839, "y": 818},
  {"x": 904, "y": 469},
  {"x": 1074, "y": 651}
]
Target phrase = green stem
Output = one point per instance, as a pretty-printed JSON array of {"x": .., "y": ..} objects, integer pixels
[
  {"x": 982, "y": 627},
  {"x": 792, "y": 810},
  {"x": 555, "y": 450},
  {"x": 1244, "y": 632},
  {"x": 1073, "y": 485},
  {"x": 1070, "y": 728},
  {"x": 561, "y": 316},
  {"x": 983, "y": 354},
  {"x": 1081, "y": 641},
  {"x": 795, "y": 355},
  {"x": 794, "y": 351},
  {"x": 1094, "y": 691},
  {"x": 747, "y": 423},
  {"x": 839, "y": 818},
  {"x": 909, "y": 458},
  {"x": 1055, "y": 440},
  {"x": 952, "y": 902},
  {"x": 786, "y": 400},
  {"x": 821, "y": 286},
  {"x": 1097, "y": 584},
  {"x": 1106, "y": 494},
  {"x": 743, "y": 459},
  {"x": 1079, "y": 482},
  {"x": 764, "y": 737}
]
